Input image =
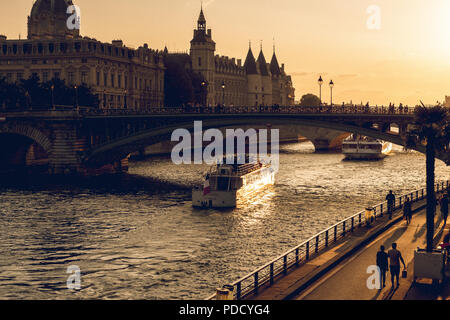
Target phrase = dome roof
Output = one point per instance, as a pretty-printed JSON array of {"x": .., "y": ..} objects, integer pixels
[
  {"x": 48, "y": 20},
  {"x": 52, "y": 6}
]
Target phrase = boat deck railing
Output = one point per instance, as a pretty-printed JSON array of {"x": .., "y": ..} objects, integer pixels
[{"x": 265, "y": 275}]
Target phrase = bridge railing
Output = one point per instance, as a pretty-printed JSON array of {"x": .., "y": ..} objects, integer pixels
[
  {"x": 326, "y": 109},
  {"x": 266, "y": 275},
  {"x": 251, "y": 110}
]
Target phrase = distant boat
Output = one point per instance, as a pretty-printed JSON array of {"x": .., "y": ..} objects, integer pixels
[
  {"x": 358, "y": 147},
  {"x": 225, "y": 183}
]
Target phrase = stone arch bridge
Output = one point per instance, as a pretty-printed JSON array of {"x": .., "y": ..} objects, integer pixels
[{"x": 75, "y": 141}]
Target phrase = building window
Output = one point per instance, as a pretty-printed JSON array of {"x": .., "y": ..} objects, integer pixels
[
  {"x": 105, "y": 79},
  {"x": 71, "y": 77},
  {"x": 83, "y": 60},
  {"x": 199, "y": 61},
  {"x": 112, "y": 81},
  {"x": 56, "y": 75},
  {"x": 98, "y": 78},
  {"x": 119, "y": 80},
  {"x": 84, "y": 77},
  {"x": 126, "y": 82}
]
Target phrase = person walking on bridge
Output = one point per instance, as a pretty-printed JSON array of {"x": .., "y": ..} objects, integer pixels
[
  {"x": 407, "y": 210},
  {"x": 444, "y": 207},
  {"x": 382, "y": 263},
  {"x": 390, "y": 198},
  {"x": 395, "y": 257}
]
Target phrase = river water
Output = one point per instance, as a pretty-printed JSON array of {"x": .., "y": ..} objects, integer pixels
[{"x": 136, "y": 236}]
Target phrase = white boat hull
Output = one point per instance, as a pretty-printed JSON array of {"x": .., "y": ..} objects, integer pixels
[
  {"x": 229, "y": 199},
  {"x": 215, "y": 199}
]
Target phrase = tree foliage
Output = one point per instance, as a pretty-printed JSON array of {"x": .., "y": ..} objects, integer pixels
[
  {"x": 310, "y": 100},
  {"x": 31, "y": 93}
]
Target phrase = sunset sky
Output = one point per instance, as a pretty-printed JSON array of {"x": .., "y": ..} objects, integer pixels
[{"x": 406, "y": 60}]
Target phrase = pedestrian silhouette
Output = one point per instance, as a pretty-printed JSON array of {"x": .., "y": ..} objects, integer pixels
[
  {"x": 390, "y": 198},
  {"x": 395, "y": 257},
  {"x": 382, "y": 263},
  {"x": 407, "y": 210}
]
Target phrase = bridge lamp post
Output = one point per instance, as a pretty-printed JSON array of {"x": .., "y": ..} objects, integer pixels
[
  {"x": 223, "y": 93},
  {"x": 320, "y": 82},
  {"x": 331, "y": 87},
  {"x": 76, "y": 96},
  {"x": 125, "y": 102},
  {"x": 205, "y": 92},
  {"x": 53, "y": 96}
]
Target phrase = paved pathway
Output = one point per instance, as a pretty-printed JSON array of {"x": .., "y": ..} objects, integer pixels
[{"x": 348, "y": 281}]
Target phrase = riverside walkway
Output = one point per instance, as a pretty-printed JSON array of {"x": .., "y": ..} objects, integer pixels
[
  {"x": 348, "y": 280},
  {"x": 333, "y": 264}
]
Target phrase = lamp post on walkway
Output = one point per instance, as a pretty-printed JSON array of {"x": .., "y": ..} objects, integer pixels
[
  {"x": 320, "y": 82},
  {"x": 223, "y": 93},
  {"x": 331, "y": 88}
]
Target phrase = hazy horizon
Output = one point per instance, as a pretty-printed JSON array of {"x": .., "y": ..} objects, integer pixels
[{"x": 404, "y": 61}]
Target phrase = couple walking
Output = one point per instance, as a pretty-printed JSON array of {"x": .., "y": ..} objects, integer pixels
[
  {"x": 407, "y": 207},
  {"x": 394, "y": 256}
]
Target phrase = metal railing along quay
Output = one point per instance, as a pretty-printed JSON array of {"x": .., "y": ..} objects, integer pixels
[{"x": 265, "y": 275}]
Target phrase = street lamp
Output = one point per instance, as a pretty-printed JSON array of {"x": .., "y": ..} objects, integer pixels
[
  {"x": 76, "y": 96},
  {"x": 331, "y": 87},
  {"x": 320, "y": 82},
  {"x": 223, "y": 93},
  {"x": 205, "y": 92},
  {"x": 53, "y": 97}
]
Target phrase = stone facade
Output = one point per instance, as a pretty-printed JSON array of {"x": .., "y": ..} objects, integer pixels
[
  {"x": 121, "y": 77},
  {"x": 232, "y": 83}
]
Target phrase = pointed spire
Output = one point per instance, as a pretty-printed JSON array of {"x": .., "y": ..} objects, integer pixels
[
  {"x": 250, "y": 63},
  {"x": 262, "y": 63},
  {"x": 201, "y": 23}
]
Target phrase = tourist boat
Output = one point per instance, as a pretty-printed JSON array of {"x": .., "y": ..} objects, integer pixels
[
  {"x": 357, "y": 147},
  {"x": 225, "y": 183}
]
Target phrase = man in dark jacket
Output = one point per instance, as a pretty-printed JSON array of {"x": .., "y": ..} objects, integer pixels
[
  {"x": 407, "y": 211},
  {"x": 390, "y": 198},
  {"x": 382, "y": 263}
]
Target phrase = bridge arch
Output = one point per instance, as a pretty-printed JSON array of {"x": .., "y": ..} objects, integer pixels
[
  {"x": 129, "y": 144},
  {"x": 30, "y": 132}
]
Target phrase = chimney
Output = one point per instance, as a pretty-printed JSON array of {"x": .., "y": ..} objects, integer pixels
[
  {"x": 117, "y": 43},
  {"x": 239, "y": 62},
  {"x": 282, "y": 67},
  {"x": 209, "y": 33}
]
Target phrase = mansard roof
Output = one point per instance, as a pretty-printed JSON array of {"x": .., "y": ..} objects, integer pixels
[
  {"x": 274, "y": 66},
  {"x": 250, "y": 63},
  {"x": 262, "y": 64}
]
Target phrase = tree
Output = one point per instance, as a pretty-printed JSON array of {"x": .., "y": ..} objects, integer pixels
[
  {"x": 310, "y": 100},
  {"x": 178, "y": 87},
  {"x": 431, "y": 129},
  {"x": 31, "y": 93}
]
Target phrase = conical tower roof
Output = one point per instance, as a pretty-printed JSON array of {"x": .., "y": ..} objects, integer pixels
[
  {"x": 250, "y": 63},
  {"x": 274, "y": 65},
  {"x": 262, "y": 64}
]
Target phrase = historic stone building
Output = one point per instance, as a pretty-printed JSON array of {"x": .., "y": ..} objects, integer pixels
[
  {"x": 230, "y": 82},
  {"x": 121, "y": 77}
]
